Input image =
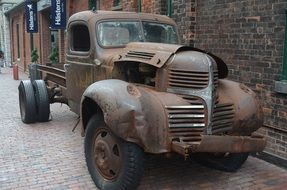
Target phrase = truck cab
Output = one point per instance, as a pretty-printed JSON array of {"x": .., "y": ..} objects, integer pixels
[
  {"x": 93, "y": 42},
  {"x": 137, "y": 91}
]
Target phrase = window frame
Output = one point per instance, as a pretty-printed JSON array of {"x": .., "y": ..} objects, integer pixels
[
  {"x": 131, "y": 20},
  {"x": 71, "y": 41}
]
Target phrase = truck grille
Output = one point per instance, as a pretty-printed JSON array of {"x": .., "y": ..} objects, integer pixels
[
  {"x": 223, "y": 118},
  {"x": 186, "y": 123},
  {"x": 190, "y": 79},
  {"x": 215, "y": 78},
  {"x": 140, "y": 55}
]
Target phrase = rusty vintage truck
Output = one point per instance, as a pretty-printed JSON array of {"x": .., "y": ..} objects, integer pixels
[{"x": 138, "y": 91}]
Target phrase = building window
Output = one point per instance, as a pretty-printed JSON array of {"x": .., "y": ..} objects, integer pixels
[
  {"x": 81, "y": 43},
  {"x": 117, "y": 5},
  {"x": 18, "y": 40},
  {"x": 93, "y": 4}
]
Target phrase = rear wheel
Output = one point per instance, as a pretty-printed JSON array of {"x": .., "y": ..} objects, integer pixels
[
  {"x": 27, "y": 102},
  {"x": 113, "y": 163},
  {"x": 228, "y": 162},
  {"x": 42, "y": 101}
]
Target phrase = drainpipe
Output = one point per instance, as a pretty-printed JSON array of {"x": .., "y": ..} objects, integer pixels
[
  {"x": 281, "y": 86},
  {"x": 139, "y": 5},
  {"x": 169, "y": 8},
  {"x": 284, "y": 72}
]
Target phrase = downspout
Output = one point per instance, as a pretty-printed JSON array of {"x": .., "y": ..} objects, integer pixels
[
  {"x": 284, "y": 71},
  {"x": 169, "y": 8},
  {"x": 281, "y": 86},
  {"x": 139, "y": 5}
]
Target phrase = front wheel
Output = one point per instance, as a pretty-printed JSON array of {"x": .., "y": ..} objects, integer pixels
[
  {"x": 113, "y": 163},
  {"x": 228, "y": 162}
]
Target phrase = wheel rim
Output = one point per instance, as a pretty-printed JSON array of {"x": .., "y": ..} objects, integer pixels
[{"x": 106, "y": 154}]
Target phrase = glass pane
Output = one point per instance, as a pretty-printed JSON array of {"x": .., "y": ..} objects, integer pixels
[
  {"x": 116, "y": 3},
  {"x": 160, "y": 33},
  {"x": 118, "y": 33}
]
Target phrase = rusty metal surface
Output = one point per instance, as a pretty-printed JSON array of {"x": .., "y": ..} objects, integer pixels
[
  {"x": 248, "y": 113},
  {"x": 98, "y": 15},
  {"x": 127, "y": 111},
  {"x": 163, "y": 97},
  {"x": 79, "y": 77},
  {"x": 150, "y": 53},
  {"x": 53, "y": 74},
  {"x": 228, "y": 108},
  {"x": 221, "y": 144}
]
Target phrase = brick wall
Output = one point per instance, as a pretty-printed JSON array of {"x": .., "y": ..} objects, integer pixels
[
  {"x": 249, "y": 35},
  {"x": 154, "y": 6},
  {"x": 45, "y": 39},
  {"x": 130, "y": 5},
  {"x": 184, "y": 15},
  {"x": 5, "y": 34},
  {"x": 106, "y": 4},
  {"x": 17, "y": 19},
  {"x": 74, "y": 6}
]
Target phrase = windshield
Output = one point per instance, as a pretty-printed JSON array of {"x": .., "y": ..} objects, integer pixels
[
  {"x": 160, "y": 33},
  {"x": 119, "y": 33}
]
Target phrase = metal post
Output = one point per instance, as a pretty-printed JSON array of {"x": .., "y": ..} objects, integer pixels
[
  {"x": 284, "y": 71},
  {"x": 31, "y": 42},
  {"x": 169, "y": 8},
  {"x": 139, "y": 6},
  {"x": 281, "y": 86}
]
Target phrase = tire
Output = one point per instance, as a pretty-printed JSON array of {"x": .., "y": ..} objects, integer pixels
[
  {"x": 228, "y": 162},
  {"x": 42, "y": 101},
  {"x": 113, "y": 163},
  {"x": 27, "y": 102}
]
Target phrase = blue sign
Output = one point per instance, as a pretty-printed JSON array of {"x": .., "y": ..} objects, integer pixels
[
  {"x": 58, "y": 14},
  {"x": 31, "y": 16}
]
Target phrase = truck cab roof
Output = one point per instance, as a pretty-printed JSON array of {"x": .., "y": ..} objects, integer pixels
[{"x": 94, "y": 16}]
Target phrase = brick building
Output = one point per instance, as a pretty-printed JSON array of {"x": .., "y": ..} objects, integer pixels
[
  {"x": 247, "y": 34},
  {"x": 5, "y": 5}
]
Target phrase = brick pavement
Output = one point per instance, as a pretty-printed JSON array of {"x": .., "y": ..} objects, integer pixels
[{"x": 50, "y": 156}]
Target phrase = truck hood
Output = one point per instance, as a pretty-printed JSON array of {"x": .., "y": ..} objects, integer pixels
[{"x": 158, "y": 54}]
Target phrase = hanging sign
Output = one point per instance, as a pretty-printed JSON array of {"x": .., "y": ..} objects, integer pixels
[
  {"x": 31, "y": 16},
  {"x": 58, "y": 14}
]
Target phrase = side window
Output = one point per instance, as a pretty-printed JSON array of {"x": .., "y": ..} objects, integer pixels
[{"x": 80, "y": 38}]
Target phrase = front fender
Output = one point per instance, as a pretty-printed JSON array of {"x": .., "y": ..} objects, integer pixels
[{"x": 134, "y": 113}]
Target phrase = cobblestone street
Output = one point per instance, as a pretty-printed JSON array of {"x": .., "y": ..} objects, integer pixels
[{"x": 50, "y": 156}]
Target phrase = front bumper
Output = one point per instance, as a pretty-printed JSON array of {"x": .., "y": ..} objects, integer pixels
[{"x": 212, "y": 143}]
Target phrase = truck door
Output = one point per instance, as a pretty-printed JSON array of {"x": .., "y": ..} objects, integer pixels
[{"x": 79, "y": 64}]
